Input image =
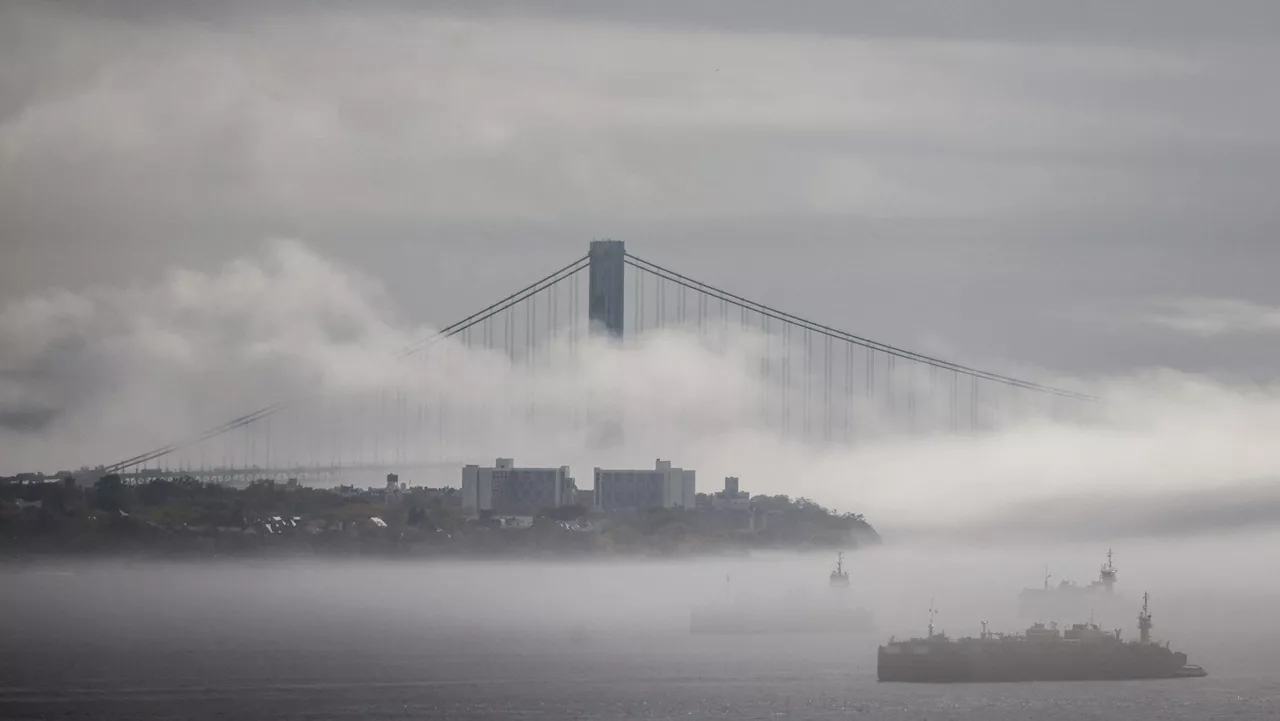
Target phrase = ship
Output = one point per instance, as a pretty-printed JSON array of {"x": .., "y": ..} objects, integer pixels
[
  {"x": 839, "y": 577},
  {"x": 1083, "y": 652},
  {"x": 1068, "y": 600},
  {"x": 803, "y": 612}
]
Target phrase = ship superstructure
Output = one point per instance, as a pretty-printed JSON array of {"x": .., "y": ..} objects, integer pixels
[
  {"x": 1043, "y": 653},
  {"x": 1107, "y": 575},
  {"x": 839, "y": 577},
  {"x": 1068, "y": 600}
]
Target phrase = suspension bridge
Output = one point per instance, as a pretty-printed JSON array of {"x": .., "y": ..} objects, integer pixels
[{"x": 822, "y": 385}]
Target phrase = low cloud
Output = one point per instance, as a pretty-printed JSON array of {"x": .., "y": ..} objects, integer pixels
[
  {"x": 1208, "y": 317},
  {"x": 98, "y": 375},
  {"x": 1120, "y": 514},
  {"x": 108, "y": 358}
]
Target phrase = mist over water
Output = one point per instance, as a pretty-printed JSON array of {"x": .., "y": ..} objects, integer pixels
[
  {"x": 1198, "y": 588},
  {"x": 605, "y": 638}
]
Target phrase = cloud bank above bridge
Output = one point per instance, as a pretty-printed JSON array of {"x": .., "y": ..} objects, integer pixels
[{"x": 1013, "y": 182}]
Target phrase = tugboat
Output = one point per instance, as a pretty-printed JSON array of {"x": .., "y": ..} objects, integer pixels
[
  {"x": 840, "y": 577},
  {"x": 1068, "y": 600},
  {"x": 1082, "y": 652}
]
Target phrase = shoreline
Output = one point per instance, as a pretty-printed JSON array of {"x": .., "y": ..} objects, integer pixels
[{"x": 22, "y": 560}]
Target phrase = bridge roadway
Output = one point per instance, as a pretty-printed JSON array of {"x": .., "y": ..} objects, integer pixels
[{"x": 329, "y": 475}]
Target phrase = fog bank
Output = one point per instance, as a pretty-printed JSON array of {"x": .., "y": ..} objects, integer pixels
[{"x": 97, "y": 374}]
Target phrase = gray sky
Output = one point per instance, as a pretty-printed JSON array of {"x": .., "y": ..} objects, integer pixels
[{"x": 1082, "y": 187}]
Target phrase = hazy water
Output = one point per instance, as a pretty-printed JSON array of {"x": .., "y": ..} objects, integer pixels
[{"x": 594, "y": 640}]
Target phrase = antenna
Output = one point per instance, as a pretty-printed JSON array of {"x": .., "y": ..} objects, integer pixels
[{"x": 1144, "y": 622}]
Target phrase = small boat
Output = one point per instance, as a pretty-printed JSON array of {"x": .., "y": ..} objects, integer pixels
[{"x": 839, "y": 577}]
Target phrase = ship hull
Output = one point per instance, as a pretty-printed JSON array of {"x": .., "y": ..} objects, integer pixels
[
  {"x": 935, "y": 664},
  {"x": 1072, "y": 606}
]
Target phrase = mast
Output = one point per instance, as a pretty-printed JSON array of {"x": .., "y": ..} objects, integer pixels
[
  {"x": 1144, "y": 622},
  {"x": 932, "y": 611},
  {"x": 840, "y": 563},
  {"x": 1046, "y": 577},
  {"x": 1108, "y": 573}
]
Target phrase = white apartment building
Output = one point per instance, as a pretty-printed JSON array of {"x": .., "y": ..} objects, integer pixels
[
  {"x": 638, "y": 490},
  {"x": 516, "y": 491}
]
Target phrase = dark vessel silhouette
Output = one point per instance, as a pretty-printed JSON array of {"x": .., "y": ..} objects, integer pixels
[
  {"x": 839, "y": 577},
  {"x": 1083, "y": 652}
]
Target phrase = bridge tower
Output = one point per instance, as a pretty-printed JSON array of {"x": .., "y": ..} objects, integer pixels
[
  {"x": 607, "y": 267},
  {"x": 605, "y": 286}
]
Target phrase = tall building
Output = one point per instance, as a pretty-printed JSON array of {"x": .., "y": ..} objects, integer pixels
[
  {"x": 517, "y": 491},
  {"x": 638, "y": 490}
]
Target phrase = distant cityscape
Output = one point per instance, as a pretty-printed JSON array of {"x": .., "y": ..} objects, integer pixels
[
  {"x": 507, "y": 489},
  {"x": 657, "y": 510}
]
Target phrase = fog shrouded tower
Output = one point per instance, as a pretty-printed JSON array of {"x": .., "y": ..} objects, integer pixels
[
  {"x": 607, "y": 268},
  {"x": 605, "y": 286}
]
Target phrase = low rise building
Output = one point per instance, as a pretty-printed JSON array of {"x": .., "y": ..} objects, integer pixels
[
  {"x": 731, "y": 499},
  {"x": 423, "y": 496},
  {"x": 638, "y": 490},
  {"x": 506, "y": 489}
]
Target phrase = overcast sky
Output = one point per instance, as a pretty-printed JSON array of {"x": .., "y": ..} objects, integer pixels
[{"x": 1084, "y": 187}]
